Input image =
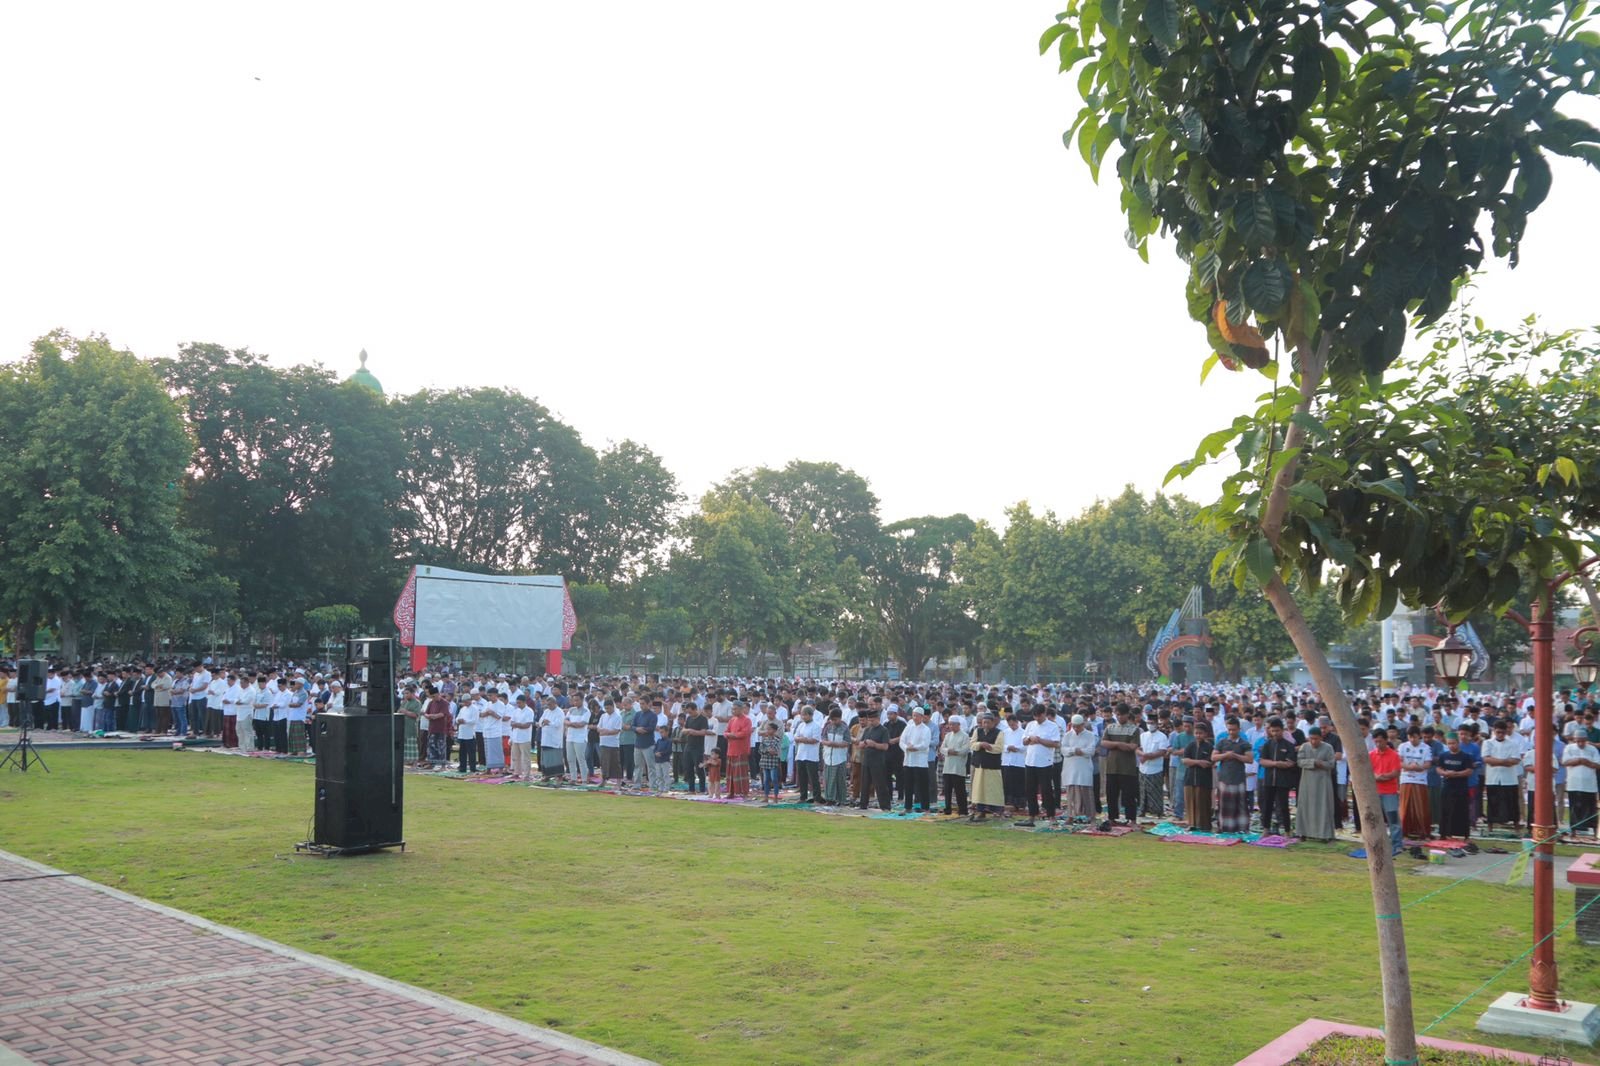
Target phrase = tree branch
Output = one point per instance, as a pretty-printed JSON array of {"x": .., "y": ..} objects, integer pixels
[{"x": 1312, "y": 365}]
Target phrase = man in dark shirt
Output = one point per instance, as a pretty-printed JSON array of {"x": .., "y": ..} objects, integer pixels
[
  {"x": 875, "y": 745},
  {"x": 1278, "y": 774}
]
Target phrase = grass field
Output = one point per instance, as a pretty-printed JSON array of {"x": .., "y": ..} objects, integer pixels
[{"x": 692, "y": 933}]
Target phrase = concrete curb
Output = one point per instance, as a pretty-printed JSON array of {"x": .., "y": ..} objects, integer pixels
[{"x": 455, "y": 1007}]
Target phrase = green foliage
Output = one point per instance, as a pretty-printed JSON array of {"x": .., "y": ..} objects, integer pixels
[
  {"x": 1248, "y": 638},
  {"x": 332, "y": 621},
  {"x": 913, "y": 591},
  {"x": 1326, "y": 168},
  {"x": 293, "y": 484},
  {"x": 494, "y": 482},
  {"x": 92, "y": 453},
  {"x": 1450, "y": 484}
]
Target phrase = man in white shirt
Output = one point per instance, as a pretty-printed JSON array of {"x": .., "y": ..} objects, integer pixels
[
  {"x": 1582, "y": 761},
  {"x": 1152, "y": 755},
  {"x": 806, "y": 740},
  {"x": 520, "y": 721},
  {"x": 466, "y": 717},
  {"x": 230, "y": 712},
  {"x": 215, "y": 691},
  {"x": 915, "y": 741},
  {"x": 1040, "y": 778},
  {"x": 578, "y": 768},
  {"x": 552, "y": 739},
  {"x": 610, "y": 730},
  {"x": 1416, "y": 812},
  {"x": 1502, "y": 762},
  {"x": 52, "y": 699},
  {"x": 1012, "y": 770},
  {"x": 1078, "y": 747}
]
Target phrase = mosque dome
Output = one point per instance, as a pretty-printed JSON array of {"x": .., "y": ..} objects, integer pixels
[{"x": 365, "y": 377}]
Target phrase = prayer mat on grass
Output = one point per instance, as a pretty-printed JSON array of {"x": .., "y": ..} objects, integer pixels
[
  {"x": 1275, "y": 841},
  {"x": 1201, "y": 838},
  {"x": 1114, "y": 831}
]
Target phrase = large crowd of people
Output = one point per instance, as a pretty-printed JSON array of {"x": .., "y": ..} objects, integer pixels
[{"x": 1213, "y": 758}]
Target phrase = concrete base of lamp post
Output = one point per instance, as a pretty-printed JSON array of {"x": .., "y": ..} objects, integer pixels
[{"x": 1574, "y": 1023}]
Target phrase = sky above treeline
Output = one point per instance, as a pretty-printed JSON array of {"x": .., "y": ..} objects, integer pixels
[{"x": 738, "y": 233}]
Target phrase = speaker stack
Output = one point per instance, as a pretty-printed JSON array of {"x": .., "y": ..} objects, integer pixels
[{"x": 360, "y": 759}]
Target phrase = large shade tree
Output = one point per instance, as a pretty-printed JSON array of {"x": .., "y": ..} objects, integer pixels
[
  {"x": 293, "y": 482},
  {"x": 1325, "y": 170},
  {"x": 92, "y": 451}
]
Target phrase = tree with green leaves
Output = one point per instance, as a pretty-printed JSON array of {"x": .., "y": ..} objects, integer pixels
[
  {"x": 92, "y": 451},
  {"x": 747, "y": 574},
  {"x": 834, "y": 499},
  {"x": 639, "y": 497},
  {"x": 494, "y": 482},
  {"x": 914, "y": 594},
  {"x": 293, "y": 484},
  {"x": 1324, "y": 170},
  {"x": 1247, "y": 636}
]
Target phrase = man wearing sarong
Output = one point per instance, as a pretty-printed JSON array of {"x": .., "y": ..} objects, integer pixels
[
  {"x": 835, "y": 759},
  {"x": 1416, "y": 813},
  {"x": 1229, "y": 755},
  {"x": 1197, "y": 781}
]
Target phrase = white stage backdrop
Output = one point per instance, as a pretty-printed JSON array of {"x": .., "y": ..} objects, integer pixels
[{"x": 457, "y": 609}]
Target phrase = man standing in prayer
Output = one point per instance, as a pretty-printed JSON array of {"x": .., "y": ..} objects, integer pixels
[
  {"x": 835, "y": 744},
  {"x": 1278, "y": 774},
  {"x": 875, "y": 744},
  {"x": 1502, "y": 762},
  {"x": 1455, "y": 774},
  {"x": 1078, "y": 748},
  {"x": 1230, "y": 754},
  {"x": 1152, "y": 755},
  {"x": 1386, "y": 770},
  {"x": 1314, "y": 795},
  {"x": 1416, "y": 759},
  {"x": 915, "y": 742},
  {"x": 988, "y": 786},
  {"x": 1197, "y": 779},
  {"x": 1121, "y": 743},
  {"x": 806, "y": 739}
]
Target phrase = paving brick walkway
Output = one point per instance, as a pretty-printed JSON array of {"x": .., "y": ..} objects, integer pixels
[{"x": 92, "y": 975}]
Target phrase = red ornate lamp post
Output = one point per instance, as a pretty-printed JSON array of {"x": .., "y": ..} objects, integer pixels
[{"x": 1543, "y": 986}]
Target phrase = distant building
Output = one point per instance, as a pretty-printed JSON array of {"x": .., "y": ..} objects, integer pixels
[{"x": 365, "y": 377}]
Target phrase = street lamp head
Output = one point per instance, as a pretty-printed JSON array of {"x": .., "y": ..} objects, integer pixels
[
  {"x": 1585, "y": 671},
  {"x": 1451, "y": 659}
]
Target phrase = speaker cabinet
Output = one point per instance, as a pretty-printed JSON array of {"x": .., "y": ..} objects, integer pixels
[
  {"x": 30, "y": 680},
  {"x": 360, "y": 781}
]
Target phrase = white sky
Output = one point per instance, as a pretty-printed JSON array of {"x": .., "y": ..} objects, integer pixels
[{"x": 739, "y": 233}]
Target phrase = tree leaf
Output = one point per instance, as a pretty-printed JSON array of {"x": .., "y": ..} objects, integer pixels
[
  {"x": 1261, "y": 561},
  {"x": 1048, "y": 37},
  {"x": 1161, "y": 20},
  {"x": 1266, "y": 286},
  {"x": 1255, "y": 221}
]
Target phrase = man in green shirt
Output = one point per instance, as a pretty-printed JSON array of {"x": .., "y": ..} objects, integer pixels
[{"x": 626, "y": 740}]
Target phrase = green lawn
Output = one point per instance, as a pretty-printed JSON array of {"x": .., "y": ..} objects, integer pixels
[{"x": 691, "y": 933}]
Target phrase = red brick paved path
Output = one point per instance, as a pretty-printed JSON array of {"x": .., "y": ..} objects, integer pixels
[{"x": 88, "y": 975}]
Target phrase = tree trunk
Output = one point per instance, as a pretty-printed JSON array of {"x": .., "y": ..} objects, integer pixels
[
  {"x": 1399, "y": 1027},
  {"x": 786, "y": 656},
  {"x": 713, "y": 647},
  {"x": 69, "y": 634},
  {"x": 22, "y": 635}
]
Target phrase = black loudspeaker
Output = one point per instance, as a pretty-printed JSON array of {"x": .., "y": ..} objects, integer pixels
[
  {"x": 1179, "y": 671},
  {"x": 30, "y": 680},
  {"x": 369, "y": 676},
  {"x": 360, "y": 781}
]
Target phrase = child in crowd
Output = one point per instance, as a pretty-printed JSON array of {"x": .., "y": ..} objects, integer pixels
[
  {"x": 770, "y": 750},
  {"x": 713, "y": 769}
]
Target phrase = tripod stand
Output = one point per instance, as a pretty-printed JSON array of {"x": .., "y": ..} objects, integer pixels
[{"x": 18, "y": 754}]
